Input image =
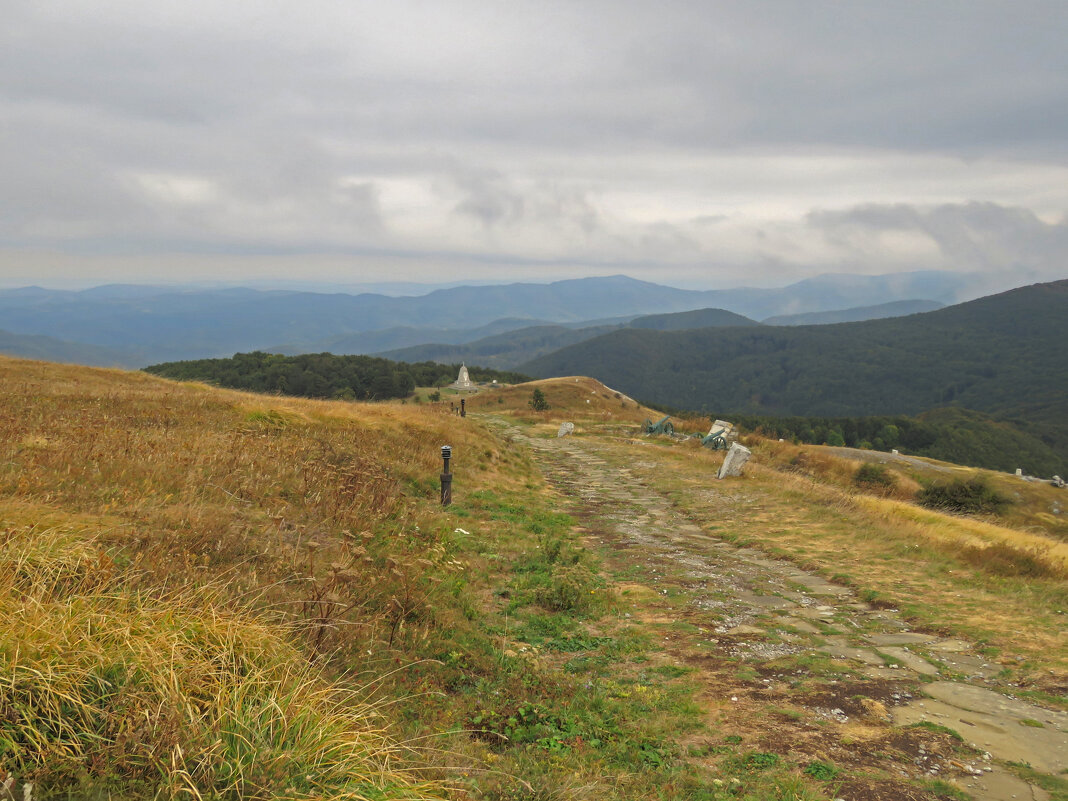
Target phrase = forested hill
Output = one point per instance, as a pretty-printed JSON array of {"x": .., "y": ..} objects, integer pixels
[
  {"x": 1003, "y": 354},
  {"x": 322, "y": 375},
  {"x": 506, "y": 350},
  {"x": 698, "y": 318}
]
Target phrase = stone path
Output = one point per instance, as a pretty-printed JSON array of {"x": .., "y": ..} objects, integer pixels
[{"x": 748, "y": 595}]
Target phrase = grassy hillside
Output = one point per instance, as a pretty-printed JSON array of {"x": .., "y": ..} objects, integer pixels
[
  {"x": 1002, "y": 355},
  {"x": 215, "y": 594},
  {"x": 225, "y": 595},
  {"x": 177, "y": 564}
]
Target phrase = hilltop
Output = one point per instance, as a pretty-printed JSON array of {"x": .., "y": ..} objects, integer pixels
[
  {"x": 267, "y": 591},
  {"x": 1002, "y": 355}
]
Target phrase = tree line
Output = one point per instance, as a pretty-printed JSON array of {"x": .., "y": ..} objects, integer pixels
[{"x": 323, "y": 375}]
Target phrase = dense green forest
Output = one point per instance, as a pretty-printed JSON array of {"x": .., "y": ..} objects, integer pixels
[
  {"x": 1003, "y": 355},
  {"x": 950, "y": 434},
  {"x": 323, "y": 375}
]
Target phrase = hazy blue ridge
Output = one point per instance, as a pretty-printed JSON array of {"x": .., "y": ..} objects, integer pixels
[
  {"x": 169, "y": 324},
  {"x": 898, "y": 308},
  {"x": 50, "y": 349}
]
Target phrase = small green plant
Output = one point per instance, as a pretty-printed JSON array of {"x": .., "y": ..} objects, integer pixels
[
  {"x": 973, "y": 496},
  {"x": 822, "y": 771},
  {"x": 434, "y": 396},
  {"x": 759, "y": 760},
  {"x": 538, "y": 402}
]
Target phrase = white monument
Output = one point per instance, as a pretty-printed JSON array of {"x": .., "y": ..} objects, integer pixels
[{"x": 463, "y": 381}]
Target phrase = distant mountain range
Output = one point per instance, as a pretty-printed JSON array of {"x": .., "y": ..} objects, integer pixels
[
  {"x": 50, "y": 349},
  {"x": 1003, "y": 355},
  {"x": 142, "y": 325}
]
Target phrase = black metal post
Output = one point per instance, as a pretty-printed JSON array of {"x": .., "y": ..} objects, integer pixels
[
  {"x": 463, "y": 407},
  {"x": 446, "y": 476}
]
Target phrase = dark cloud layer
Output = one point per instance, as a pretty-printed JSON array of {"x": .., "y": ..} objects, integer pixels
[{"x": 680, "y": 139}]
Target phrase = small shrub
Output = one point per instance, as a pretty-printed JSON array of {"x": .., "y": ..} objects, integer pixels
[
  {"x": 538, "y": 402},
  {"x": 821, "y": 771},
  {"x": 569, "y": 589},
  {"x": 871, "y": 476},
  {"x": 973, "y": 496}
]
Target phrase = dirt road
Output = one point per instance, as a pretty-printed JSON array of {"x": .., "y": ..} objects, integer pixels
[{"x": 796, "y": 664}]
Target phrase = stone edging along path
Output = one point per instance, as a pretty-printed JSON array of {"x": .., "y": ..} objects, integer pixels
[{"x": 747, "y": 595}]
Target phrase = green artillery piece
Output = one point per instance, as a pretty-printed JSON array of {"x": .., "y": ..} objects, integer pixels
[
  {"x": 716, "y": 440},
  {"x": 720, "y": 436},
  {"x": 659, "y": 427}
]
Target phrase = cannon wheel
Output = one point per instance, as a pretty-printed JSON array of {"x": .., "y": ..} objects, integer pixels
[
  {"x": 719, "y": 444},
  {"x": 669, "y": 429}
]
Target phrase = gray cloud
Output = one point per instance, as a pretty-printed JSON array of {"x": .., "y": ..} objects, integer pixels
[
  {"x": 680, "y": 140},
  {"x": 975, "y": 236}
]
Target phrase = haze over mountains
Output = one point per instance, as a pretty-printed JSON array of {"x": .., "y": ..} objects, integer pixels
[{"x": 141, "y": 325}]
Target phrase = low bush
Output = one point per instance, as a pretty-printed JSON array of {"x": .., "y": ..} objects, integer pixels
[
  {"x": 871, "y": 476},
  {"x": 973, "y": 496},
  {"x": 1001, "y": 559}
]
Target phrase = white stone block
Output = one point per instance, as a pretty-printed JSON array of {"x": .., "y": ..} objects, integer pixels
[{"x": 733, "y": 462}]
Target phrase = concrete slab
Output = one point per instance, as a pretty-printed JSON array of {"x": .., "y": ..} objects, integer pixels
[
  {"x": 910, "y": 660},
  {"x": 799, "y": 625},
  {"x": 902, "y": 638},
  {"x": 848, "y": 652},
  {"x": 951, "y": 646},
  {"x": 999, "y": 785},
  {"x": 1008, "y": 728},
  {"x": 969, "y": 665}
]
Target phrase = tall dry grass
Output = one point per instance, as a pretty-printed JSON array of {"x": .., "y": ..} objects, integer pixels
[{"x": 174, "y": 561}]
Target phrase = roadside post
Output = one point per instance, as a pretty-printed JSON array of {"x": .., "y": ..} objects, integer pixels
[{"x": 446, "y": 476}]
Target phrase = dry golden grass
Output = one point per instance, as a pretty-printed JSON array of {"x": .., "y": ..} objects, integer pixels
[
  {"x": 172, "y": 554},
  {"x": 171, "y": 692},
  {"x": 1005, "y": 585},
  {"x": 571, "y": 398},
  {"x": 954, "y": 533}
]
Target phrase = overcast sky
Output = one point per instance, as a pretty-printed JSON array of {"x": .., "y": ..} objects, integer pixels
[{"x": 704, "y": 144}]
